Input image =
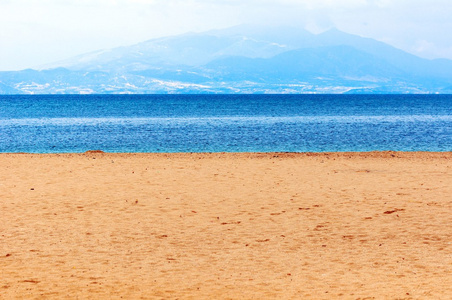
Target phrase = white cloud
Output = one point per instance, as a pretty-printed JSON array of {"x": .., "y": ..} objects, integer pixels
[{"x": 34, "y": 32}]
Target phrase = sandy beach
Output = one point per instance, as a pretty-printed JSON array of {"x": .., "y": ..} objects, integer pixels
[{"x": 226, "y": 226}]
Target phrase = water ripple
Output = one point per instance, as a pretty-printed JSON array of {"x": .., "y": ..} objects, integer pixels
[{"x": 221, "y": 120}]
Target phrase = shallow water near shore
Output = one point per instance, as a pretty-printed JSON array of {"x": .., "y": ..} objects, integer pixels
[{"x": 225, "y": 123}]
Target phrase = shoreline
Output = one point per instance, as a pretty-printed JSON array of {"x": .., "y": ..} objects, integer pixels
[
  {"x": 226, "y": 225},
  {"x": 248, "y": 155},
  {"x": 371, "y": 152}
]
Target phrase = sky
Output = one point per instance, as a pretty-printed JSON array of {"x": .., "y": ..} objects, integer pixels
[{"x": 37, "y": 32}]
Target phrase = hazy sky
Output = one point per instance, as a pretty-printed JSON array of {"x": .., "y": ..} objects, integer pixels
[{"x": 35, "y": 32}]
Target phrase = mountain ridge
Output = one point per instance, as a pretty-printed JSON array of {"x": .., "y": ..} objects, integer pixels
[{"x": 241, "y": 59}]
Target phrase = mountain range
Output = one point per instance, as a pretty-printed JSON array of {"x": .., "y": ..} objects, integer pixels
[{"x": 241, "y": 59}]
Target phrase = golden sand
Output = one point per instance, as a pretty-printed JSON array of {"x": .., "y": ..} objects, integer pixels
[{"x": 281, "y": 226}]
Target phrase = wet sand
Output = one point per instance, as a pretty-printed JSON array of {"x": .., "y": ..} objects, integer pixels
[{"x": 281, "y": 226}]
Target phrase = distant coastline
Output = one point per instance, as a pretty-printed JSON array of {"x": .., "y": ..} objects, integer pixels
[{"x": 240, "y": 60}]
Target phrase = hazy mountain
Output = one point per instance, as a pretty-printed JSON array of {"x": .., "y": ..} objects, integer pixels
[
  {"x": 6, "y": 89},
  {"x": 398, "y": 58},
  {"x": 307, "y": 63},
  {"x": 191, "y": 49},
  {"x": 242, "y": 59}
]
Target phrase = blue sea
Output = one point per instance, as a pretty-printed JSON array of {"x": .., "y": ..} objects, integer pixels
[{"x": 225, "y": 123}]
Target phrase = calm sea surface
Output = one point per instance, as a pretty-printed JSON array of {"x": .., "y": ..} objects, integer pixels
[{"x": 225, "y": 123}]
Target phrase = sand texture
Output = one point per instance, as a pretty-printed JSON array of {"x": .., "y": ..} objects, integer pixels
[{"x": 241, "y": 226}]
